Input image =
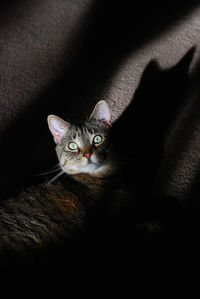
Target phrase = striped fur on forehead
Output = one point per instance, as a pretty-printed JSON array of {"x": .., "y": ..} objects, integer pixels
[
  {"x": 96, "y": 127},
  {"x": 82, "y": 132},
  {"x": 86, "y": 129}
]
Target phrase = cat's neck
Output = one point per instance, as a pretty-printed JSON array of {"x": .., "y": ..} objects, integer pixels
[
  {"x": 99, "y": 179},
  {"x": 94, "y": 183}
]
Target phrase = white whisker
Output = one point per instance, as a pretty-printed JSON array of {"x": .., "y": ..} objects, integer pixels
[
  {"x": 57, "y": 165},
  {"x": 52, "y": 169},
  {"x": 44, "y": 173},
  {"x": 55, "y": 177}
]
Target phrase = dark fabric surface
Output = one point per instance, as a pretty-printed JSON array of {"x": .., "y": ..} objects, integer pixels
[
  {"x": 62, "y": 56},
  {"x": 142, "y": 57}
]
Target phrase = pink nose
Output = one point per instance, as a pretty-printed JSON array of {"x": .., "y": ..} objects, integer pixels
[{"x": 88, "y": 155}]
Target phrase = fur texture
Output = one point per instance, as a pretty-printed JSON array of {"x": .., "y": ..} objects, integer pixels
[{"x": 50, "y": 214}]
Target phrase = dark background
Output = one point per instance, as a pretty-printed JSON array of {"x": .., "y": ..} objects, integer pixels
[
  {"x": 142, "y": 57},
  {"x": 61, "y": 57}
]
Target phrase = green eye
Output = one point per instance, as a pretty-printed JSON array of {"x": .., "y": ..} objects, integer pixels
[
  {"x": 97, "y": 139},
  {"x": 72, "y": 146}
]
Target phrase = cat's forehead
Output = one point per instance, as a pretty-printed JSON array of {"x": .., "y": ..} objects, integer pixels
[
  {"x": 85, "y": 129},
  {"x": 80, "y": 130}
]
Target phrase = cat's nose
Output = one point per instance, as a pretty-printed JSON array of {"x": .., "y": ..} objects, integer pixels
[{"x": 87, "y": 155}]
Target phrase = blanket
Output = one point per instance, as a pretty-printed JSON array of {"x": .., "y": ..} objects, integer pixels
[{"x": 62, "y": 56}]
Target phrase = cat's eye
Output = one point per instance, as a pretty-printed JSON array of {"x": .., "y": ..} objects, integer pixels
[
  {"x": 97, "y": 139},
  {"x": 72, "y": 146}
]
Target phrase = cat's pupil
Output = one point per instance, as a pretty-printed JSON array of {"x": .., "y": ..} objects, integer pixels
[
  {"x": 97, "y": 139},
  {"x": 72, "y": 146}
]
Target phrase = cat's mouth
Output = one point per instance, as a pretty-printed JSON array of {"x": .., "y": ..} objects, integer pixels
[
  {"x": 95, "y": 164},
  {"x": 90, "y": 167},
  {"x": 90, "y": 162}
]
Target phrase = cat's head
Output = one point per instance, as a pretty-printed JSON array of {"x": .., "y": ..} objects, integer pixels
[{"x": 85, "y": 148}]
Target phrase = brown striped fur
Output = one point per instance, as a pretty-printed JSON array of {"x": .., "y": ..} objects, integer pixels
[
  {"x": 39, "y": 216},
  {"x": 52, "y": 214}
]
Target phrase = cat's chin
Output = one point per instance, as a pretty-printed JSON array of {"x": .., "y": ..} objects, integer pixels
[{"x": 92, "y": 169}]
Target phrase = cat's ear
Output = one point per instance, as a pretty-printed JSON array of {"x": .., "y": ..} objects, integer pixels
[
  {"x": 101, "y": 112},
  {"x": 58, "y": 127}
]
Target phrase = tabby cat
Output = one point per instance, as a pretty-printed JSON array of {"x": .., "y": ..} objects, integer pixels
[{"x": 51, "y": 213}]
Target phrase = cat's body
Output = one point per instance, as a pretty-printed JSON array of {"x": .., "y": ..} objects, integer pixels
[
  {"x": 40, "y": 216},
  {"x": 50, "y": 214},
  {"x": 62, "y": 214}
]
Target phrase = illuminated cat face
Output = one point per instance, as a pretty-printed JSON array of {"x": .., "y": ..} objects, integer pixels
[{"x": 83, "y": 149}]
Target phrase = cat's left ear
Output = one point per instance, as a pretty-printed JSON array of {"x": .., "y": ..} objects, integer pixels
[
  {"x": 101, "y": 112},
  {"x": 58, "y": 127}
]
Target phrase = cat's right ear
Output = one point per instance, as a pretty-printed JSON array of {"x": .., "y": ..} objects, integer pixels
[
  {"x": 58, "y": 127},
  {"x": 101, "y": 112}
]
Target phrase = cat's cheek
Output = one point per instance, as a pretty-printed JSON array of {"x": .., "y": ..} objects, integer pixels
[{"x": 63, "y": 162}]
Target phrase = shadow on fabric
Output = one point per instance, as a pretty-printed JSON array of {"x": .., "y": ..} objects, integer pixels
[{"x": 107, "y": 34}]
